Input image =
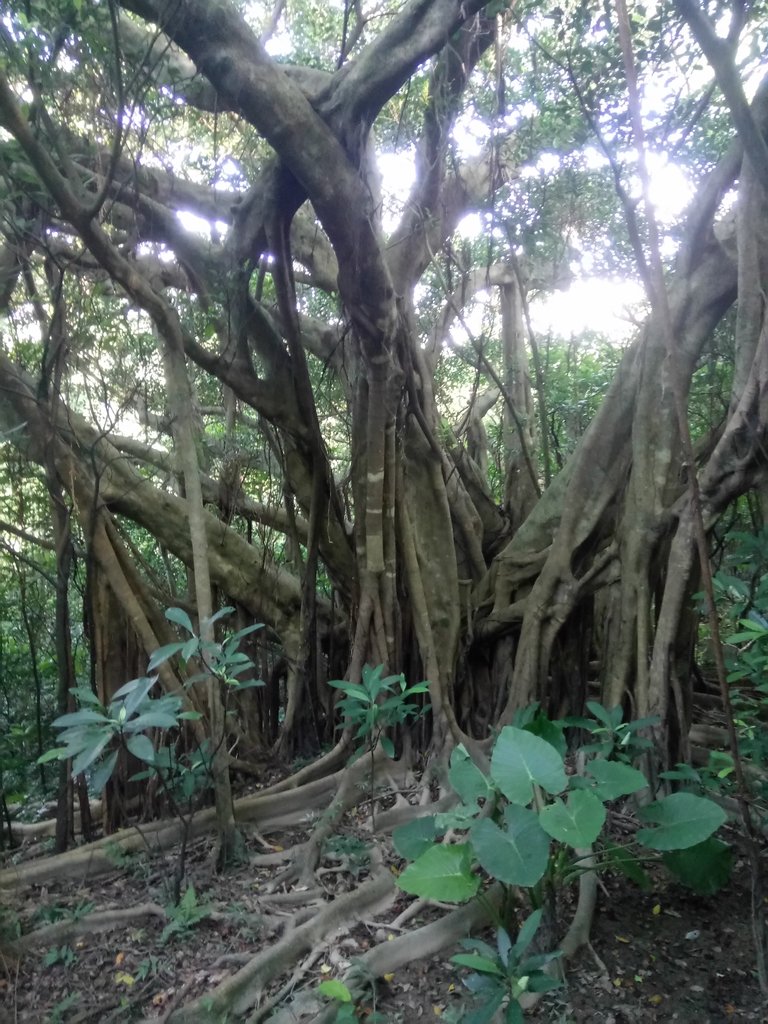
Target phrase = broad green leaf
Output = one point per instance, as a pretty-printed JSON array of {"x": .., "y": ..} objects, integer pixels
[
  {"x": 246, "y": 631},
  {"x": 387, "y": 746},
  {"x": 466, "y": 778},
  {"x": 415, "y": 837},
  {"x": 127, "y": 688},
  {"x": 334, "y": 989},
  {"x": 103, "y": 772},
  {"x": 85, "y": 716},
  {"x": 521, "y": 760},
  {"x": 351, "y": 689},
  {"x": 615, "y": 779},
  {"x": 52, "y": 755},
  {"x": 705, "y": 868},
  {"x": 609, "y": 718},
  {"x": 86, "y": 757},
  {"x": 162, "y": 654},
  {"x": 492, "y": 997},
  {"x": 442, "y": 873},
  {"x": 513, "y": 1013},
  {"x": 220, "y": 614},
  {"x": 477, "y": 963},
  {"x": 577, "y": 823},
  {"x": 141, "y": 746},
  {"x": 180, "y": 617},
  {"x": 516, "y": 855},
  {"x": 552, "y": 732},
  {"x": 85, "y": 695},
  {"x": 152, "y": 720},
  {"x": 527, "y": 933},
  {"x": 683, "y": 820},
  {"x": 190, "y": 648},
  {"x": 136, "y": 696}
]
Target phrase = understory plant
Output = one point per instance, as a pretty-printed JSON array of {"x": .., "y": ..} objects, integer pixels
[
  {"x": 376, "y": 705},
  {"x": 148, "y": 727},
  {"x": 530, "y": 824}
]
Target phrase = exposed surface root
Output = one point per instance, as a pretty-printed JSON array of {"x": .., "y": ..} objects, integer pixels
[
  {"x": 239, "y": 993},
  {"x": 100, "y": 921}
]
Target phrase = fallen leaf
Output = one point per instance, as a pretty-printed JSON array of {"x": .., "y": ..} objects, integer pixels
[
  {"x": 123, "y": 978},
  {"x": 622, "y": 938},
  {"x": 119, "y": 959},
  {"x": 655, "y": 1000},
  {"x": 656, "y": 910},
  {"x": 325, "y": 968},
  {"x": 389, "y": 977}
]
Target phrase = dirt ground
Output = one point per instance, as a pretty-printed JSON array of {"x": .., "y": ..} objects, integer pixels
[{"x": 657, "y": 956}]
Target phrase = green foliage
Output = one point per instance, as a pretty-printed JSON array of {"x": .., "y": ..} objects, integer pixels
[
  {"x": 51, "y": 914},
  {"x": 510, "y": 818},
  {"x": 502, "y": 974},
  {"x": 94, "y": 734},
  {"x": 184, "y": 915},
  {"x": 64, "y": 955},
  {"x": 58, "y": 1012},
  {"x": 378, "y": 703},
  {"x": 705, "y": 868},
  {"x": 337, "y": 992},
  {"x": 224, "y": 660}
]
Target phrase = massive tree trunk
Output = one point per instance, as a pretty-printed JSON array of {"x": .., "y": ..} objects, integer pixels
[{"x": 488, "y": 601}]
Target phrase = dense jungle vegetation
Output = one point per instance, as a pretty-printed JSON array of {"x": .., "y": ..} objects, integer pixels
[{"x": 384, "y": 497}]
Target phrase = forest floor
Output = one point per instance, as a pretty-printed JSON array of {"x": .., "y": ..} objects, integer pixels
[{"x": 659, "y": 955}]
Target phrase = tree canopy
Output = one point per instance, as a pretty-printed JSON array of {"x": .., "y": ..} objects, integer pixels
[{"x": 269, "y": 279}]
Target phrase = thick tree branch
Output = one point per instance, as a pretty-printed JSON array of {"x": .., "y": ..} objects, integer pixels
[{"x": 720, "y": 54}]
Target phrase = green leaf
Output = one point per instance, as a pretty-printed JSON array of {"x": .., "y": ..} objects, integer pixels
[
  {"x": 527, "y": 933},
  {"x": 85, "y": 695},
  {"x": 610, "y": 719},
  {"x": 87, "y": 756},
  {"x": 137, "y": 695},
  {"x": 334, "y": 989},
  {"x": 615, "y": 779},
  {"x": 516, "y": 855},
  {"x": 85, "y": 716},
  {"x": 180, "y": 617},
  {"x": 441, "y": 873},
  {"x": 351, "y": 689},
  {"x": 705, "y": 868},
  {"x": 103, "y": 772},
  {"x": 552, "y": 732},
  {"x": 477, "y": 963},
  {"x": 162, "y": 654},
  {"x": 466, "y": 778},
  {"x": 513, "y": 1013},
  {"x": 220, "y": 614},
  {"x": 152, "y": 720},
  {"x": 388, "y": 746},
  {"x": 684, "y": 820},
  {"x": 415, "y": 837},
  {"x": 577, "y": 823},
  {"x": 521, "y": 760},
  {"x": 57, "y": 754},
  {"x": 141, "y": 746}
]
